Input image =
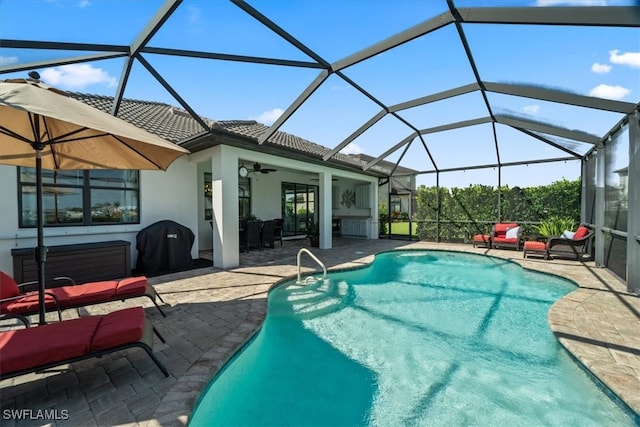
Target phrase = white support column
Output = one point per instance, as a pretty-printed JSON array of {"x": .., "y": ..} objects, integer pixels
[
  {"x": 374, "y": 231},
  {"x": 325, "y": 214},
  {"x": 224, "y": 177},
  {"x": 599, "y": 207},
  {"x": 584, "y": 192},
  {"x": 633, "y": 211}
]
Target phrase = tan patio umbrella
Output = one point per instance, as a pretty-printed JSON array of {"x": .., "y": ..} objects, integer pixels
[{"x": 42, "y": 127}]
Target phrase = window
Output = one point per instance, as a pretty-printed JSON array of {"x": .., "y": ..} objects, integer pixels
[
  {"x": 616, "y": 201},
  {"x": 616, "y": 169},
  {"x": 80, "y": 197},
  {"x": 208, "y": 200},
  {"x": 299, "y": 206},
  {"x": 244, "y": 197},
  {"x": 396, "y": 204}
]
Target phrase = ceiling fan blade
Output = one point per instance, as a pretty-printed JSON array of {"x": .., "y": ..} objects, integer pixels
[{"x": 257, "y": 167}]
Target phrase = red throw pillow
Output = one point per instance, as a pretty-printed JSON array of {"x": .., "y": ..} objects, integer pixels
[
  {"x": 581, "y": 232},
  {"x": 8, "y": 286}
]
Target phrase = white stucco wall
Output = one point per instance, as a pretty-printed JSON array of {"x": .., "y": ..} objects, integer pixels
[
  {"x": 167, "y": 194},
  {"x": 178, "y": 195},
  {"x": 266, "y": 190}
]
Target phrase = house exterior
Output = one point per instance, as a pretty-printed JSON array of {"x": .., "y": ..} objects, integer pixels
[
  {"x": 397, "y": 191},
  {"x": 228, "y": 175}
]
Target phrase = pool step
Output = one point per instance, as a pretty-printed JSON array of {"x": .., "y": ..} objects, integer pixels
[{"x": 319, "y": 299}]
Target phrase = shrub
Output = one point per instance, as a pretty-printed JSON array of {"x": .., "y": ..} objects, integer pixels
[{"x": 555, "y": 226}]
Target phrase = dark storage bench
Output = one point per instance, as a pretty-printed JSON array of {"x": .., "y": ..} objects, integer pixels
[{"x": 83, "y": 262}]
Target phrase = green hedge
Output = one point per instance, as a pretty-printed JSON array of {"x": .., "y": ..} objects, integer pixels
[{"x": 471, "y": 210}]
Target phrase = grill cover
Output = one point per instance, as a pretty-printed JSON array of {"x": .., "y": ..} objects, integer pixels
[{"x": 164, "y": 245}]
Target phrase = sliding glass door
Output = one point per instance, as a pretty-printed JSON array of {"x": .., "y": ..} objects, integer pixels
[{"x": 299, "y": 205}]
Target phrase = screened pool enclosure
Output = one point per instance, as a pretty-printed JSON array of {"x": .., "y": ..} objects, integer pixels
[{"x": 444, "y": 94}]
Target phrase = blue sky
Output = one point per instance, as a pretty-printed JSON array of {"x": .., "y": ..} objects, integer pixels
[{"x": 593, "y": 61}]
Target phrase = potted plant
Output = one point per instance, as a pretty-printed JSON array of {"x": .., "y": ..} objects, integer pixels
[{"x": 313, "y": 233}]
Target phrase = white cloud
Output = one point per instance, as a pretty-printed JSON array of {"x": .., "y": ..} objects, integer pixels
[
  {"x": 77, "y": 76},
  {"x": 352, "y": 148},
  {"x": 545, "y": 3},
  {"x": 631, "y": 59},
  {"x": 609, "y": 92},
  {"x": 194, "y": 14},
  {"x": 8, "y": 60},
  {"x": 600, "y": 68},
  {"x": 531, "y": 109},
  {"x": 268, "y": 117},
  {"x": 84, "y": 3}
]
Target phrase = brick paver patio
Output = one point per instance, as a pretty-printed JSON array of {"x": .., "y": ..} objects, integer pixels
[{"x": 212, "y": 312}]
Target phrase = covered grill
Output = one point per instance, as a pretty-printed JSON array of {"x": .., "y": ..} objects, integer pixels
[{"x": 164, "y": 245}]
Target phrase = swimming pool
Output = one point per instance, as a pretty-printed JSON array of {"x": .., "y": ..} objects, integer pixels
[{"x": 416, "y": 338}]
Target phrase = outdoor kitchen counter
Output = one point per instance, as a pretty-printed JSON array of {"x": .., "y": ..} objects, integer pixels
[{"x": 352, "y": 225}]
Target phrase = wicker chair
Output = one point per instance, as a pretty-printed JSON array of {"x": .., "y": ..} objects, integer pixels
[
  {"x": 277, "y": 230},
  {"x": 501, "y": 236},
  {"x": 253, "y": 235},
  {"x": 268, "y": 237},
  {"x": 577, "y": 247}
]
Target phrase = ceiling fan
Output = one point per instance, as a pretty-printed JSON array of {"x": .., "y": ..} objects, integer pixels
[{"x": 257, "y": 167}]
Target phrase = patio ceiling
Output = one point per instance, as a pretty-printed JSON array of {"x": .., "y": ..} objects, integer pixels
[{"x": 409, "y": 127}]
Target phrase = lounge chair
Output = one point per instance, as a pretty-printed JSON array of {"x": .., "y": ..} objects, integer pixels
[
  {"x": 14, "y": 301},
  {"x": 506, "y": 235},
  {"x": 574, "y": 247},
  {"x": 42, "y": 347}
]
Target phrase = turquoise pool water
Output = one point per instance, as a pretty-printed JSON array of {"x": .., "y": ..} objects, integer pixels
[{"x": 429, "y": 338}]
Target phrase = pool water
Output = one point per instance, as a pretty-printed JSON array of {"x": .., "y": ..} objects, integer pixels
[{"x": 417, "y": 338}]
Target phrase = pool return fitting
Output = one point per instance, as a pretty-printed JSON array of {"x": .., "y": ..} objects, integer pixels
[{"x": 310, "y": 279}]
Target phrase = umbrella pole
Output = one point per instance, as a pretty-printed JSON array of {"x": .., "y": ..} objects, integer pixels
[{"x": 41, "y": 249}]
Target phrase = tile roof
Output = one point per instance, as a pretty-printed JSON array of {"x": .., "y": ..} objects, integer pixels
[
  {"x": 400, "y": 170},
  {"x": 164, "y": 120},
  {"x": 176, "y": 125}
]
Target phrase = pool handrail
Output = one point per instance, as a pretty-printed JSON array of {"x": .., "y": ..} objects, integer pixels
[{"x": 315, "y": 258}]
